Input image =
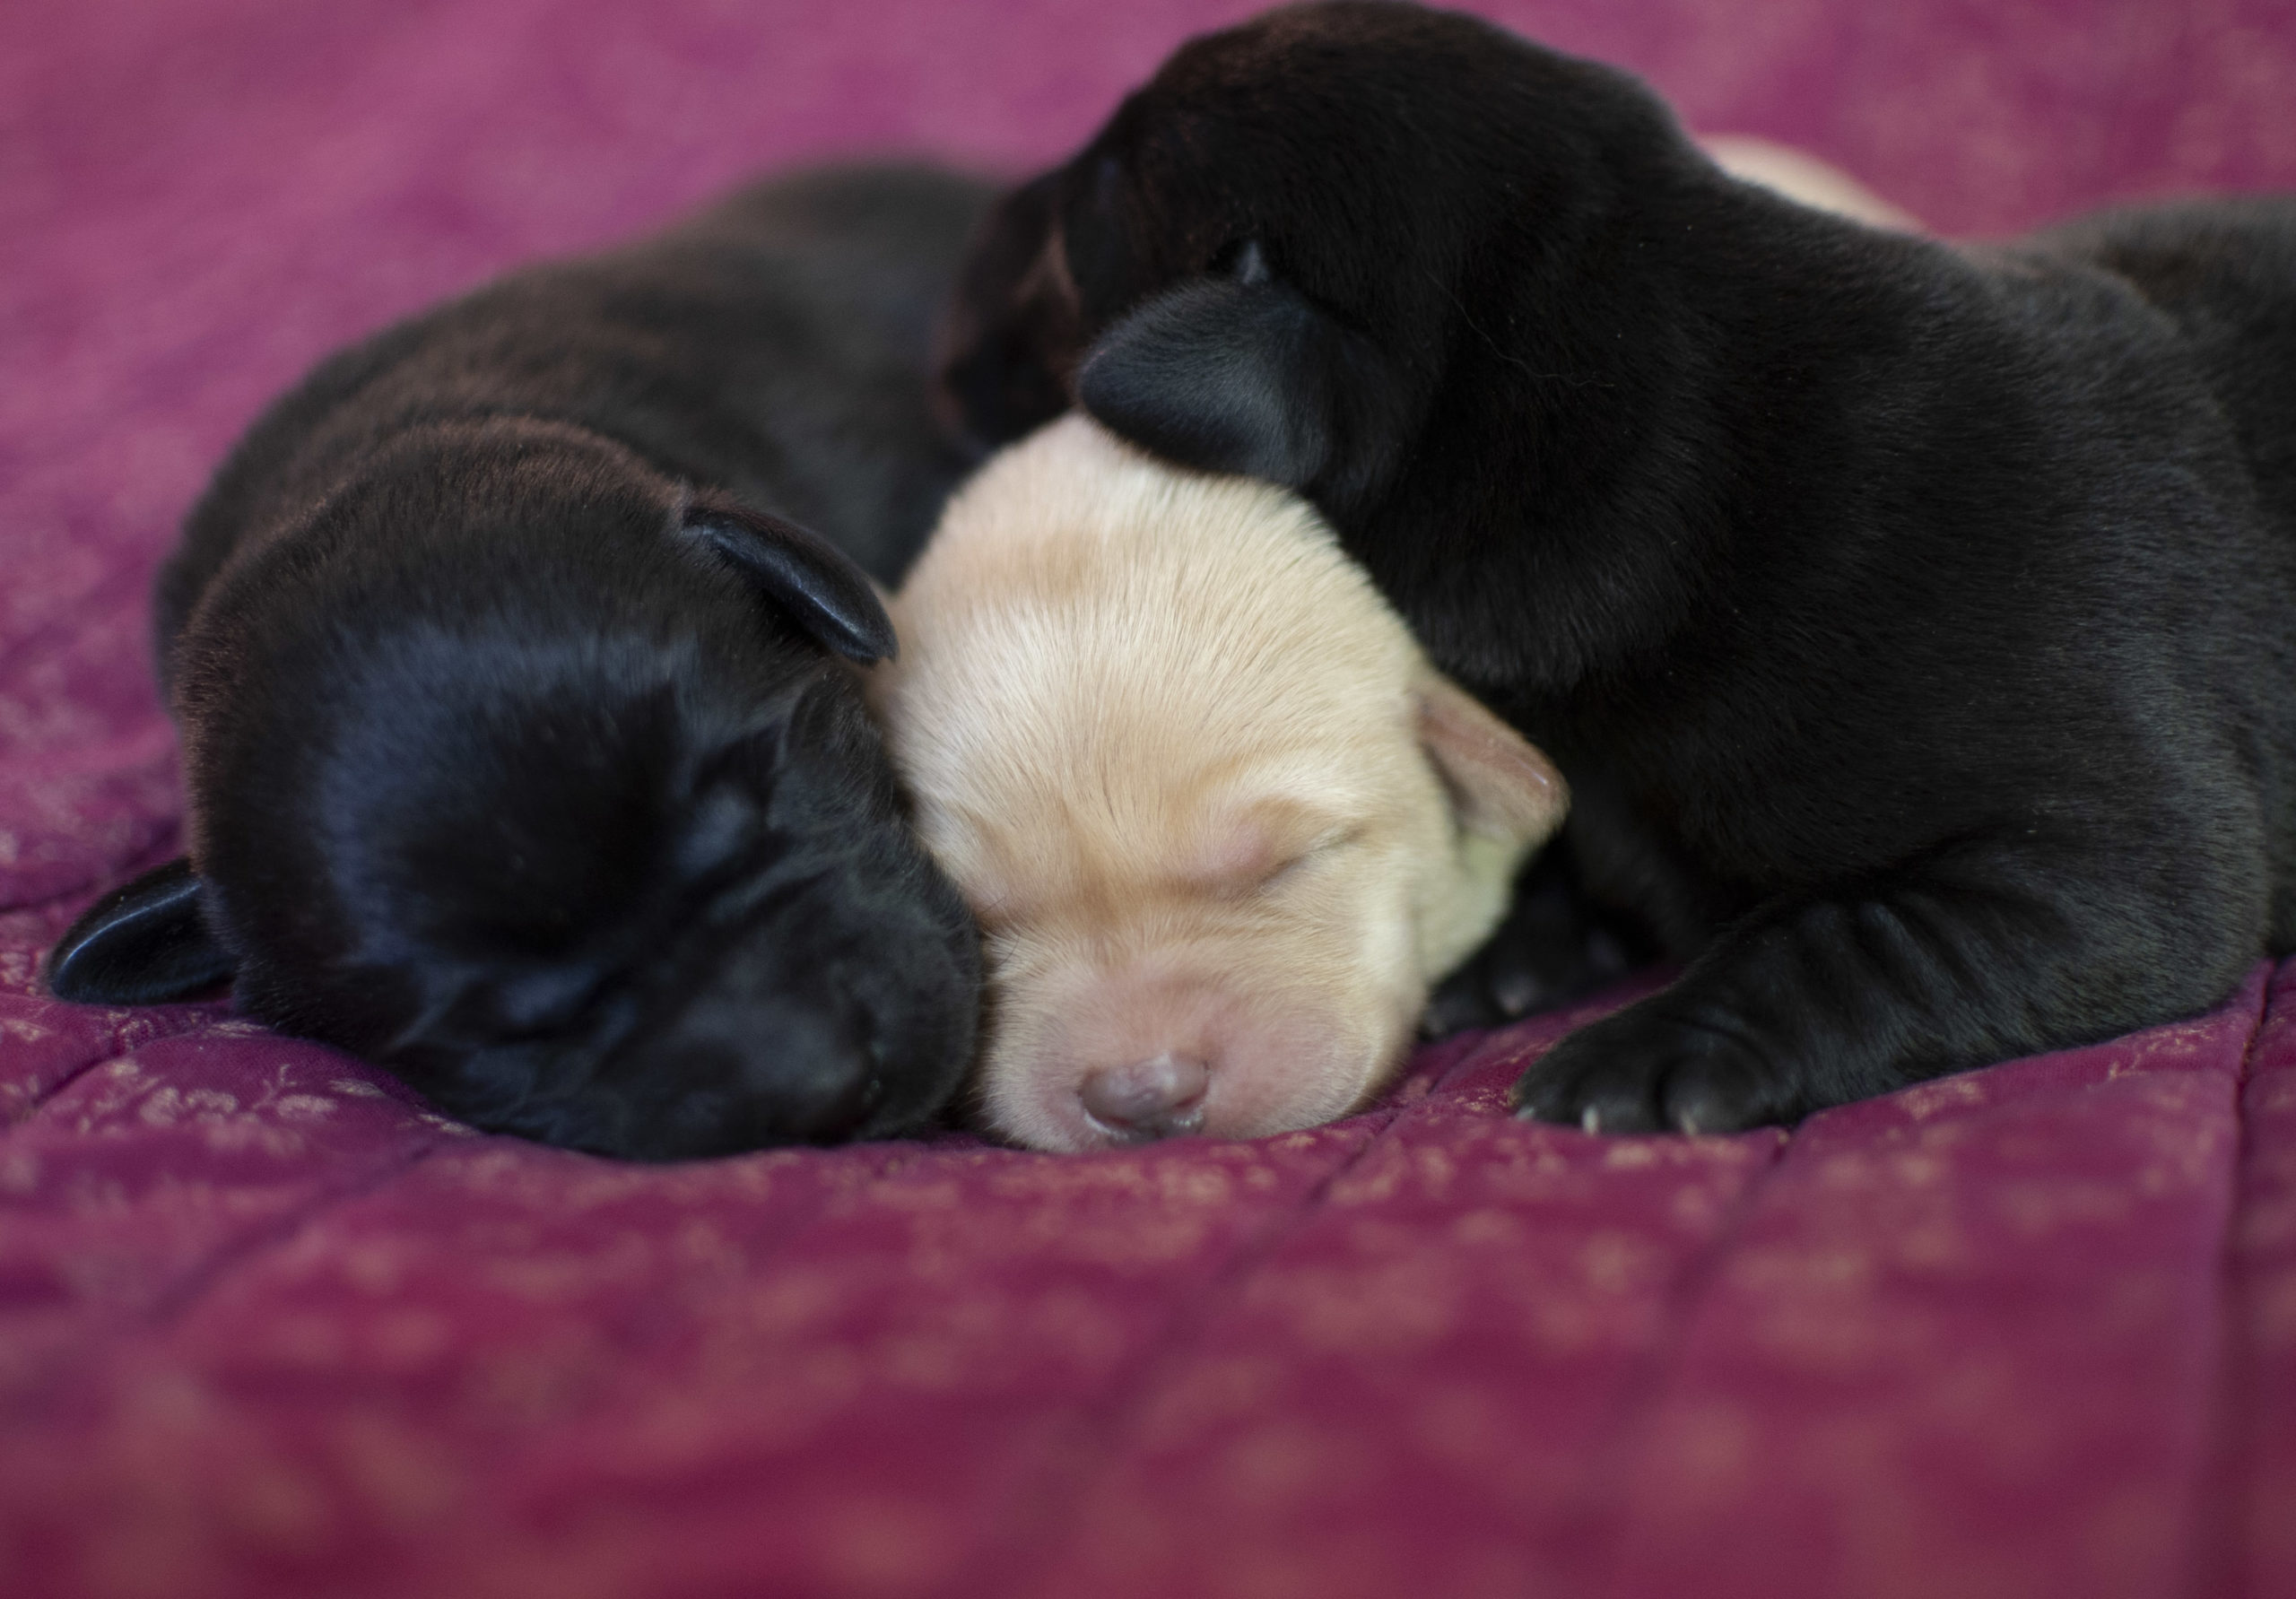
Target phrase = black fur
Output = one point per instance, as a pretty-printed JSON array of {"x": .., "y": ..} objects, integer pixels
[
  {"x": 519, "y": 760},
  {"x": 1914, "y": 625}
]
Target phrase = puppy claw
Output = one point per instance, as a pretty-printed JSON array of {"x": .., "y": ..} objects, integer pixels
[
  {"x": 1642, "y": 1071},
  {"x": 1516, "y": 993}
]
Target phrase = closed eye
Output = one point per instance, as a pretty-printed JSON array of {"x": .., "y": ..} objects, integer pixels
[
  {"x": 1323, "y": 849},
  {"x": 543, "y": 1004}
]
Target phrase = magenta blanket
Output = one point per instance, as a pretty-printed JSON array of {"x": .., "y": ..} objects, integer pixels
[{"x": 269, "y": 1328}]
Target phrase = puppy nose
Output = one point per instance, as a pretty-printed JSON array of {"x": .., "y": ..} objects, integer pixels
[{"x": 1163, "y": 1098}]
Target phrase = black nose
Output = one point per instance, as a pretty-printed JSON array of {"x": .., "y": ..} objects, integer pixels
[{"x": 1159, "y": 1098}]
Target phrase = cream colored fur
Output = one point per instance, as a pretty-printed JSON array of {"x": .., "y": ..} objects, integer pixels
[
  {"x": 1788, "y": 172},
  {"x": 1203, "y": 791}
]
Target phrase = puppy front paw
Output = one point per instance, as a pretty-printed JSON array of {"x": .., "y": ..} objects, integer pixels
[
  {"x": 1646, "y": 1071},
  {"x": 1554, "y": 947}
]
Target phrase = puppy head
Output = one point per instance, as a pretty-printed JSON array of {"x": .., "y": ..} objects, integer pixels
[
  {"x": 1221, "y": 822},
  {"x": 1260, "y": 263},
  {"x": 523, "y": 773}
]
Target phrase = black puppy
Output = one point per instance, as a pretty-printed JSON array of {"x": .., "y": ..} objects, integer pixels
[
  {"x": 1917, "y": 628},
  {"x": 519, "y": 755}
]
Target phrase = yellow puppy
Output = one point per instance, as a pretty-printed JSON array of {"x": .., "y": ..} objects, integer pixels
[
  {"x": 1222, "y": 824},
  {"x": 1803, "y": 177}
]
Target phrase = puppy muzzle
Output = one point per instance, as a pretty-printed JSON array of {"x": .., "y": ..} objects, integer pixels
[{"x": 1149, "y": 1099}]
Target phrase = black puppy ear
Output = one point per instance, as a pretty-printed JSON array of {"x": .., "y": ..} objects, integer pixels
[
  {"x": 140, "y": 944},
  {"x": 818, "y": 584},
  {"x": 1225, "y": 374},
  {"x": 1239, "y": 371}
]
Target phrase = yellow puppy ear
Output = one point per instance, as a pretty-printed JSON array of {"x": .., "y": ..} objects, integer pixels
[{"x": 1501, "y": 785}]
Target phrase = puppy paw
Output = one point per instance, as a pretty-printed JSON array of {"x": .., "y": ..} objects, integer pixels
[
  {"x": 1552, "y": 948},
  {"x": 1645, "y": 1071}
]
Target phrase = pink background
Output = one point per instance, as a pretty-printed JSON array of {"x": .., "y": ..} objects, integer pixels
[{"x": 267, "y": 1327}]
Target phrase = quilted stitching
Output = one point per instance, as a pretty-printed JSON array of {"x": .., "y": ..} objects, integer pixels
[{"x": 266, "y": 1326}]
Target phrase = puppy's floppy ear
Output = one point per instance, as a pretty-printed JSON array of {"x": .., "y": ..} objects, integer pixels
[
  {"x": 1239, "y": 373},
  {"x": 1502, "y": 785},
  {"x": 829, "y": 595},
  {"x": 140, "y": 944}
]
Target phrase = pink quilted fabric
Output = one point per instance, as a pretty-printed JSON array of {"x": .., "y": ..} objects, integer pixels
[{"x": 269, "y": 1328}]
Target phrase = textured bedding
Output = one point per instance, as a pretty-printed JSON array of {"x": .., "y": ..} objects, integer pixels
[{"x": 267, "y": 1327}]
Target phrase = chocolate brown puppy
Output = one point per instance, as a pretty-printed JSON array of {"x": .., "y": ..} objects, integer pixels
[
  {"x": 1915, "y": 626},
  {"x": 523, "y": 731}
]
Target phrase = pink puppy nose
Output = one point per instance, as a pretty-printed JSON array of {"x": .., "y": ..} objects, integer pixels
[{"x": 1148, "y": 1100}]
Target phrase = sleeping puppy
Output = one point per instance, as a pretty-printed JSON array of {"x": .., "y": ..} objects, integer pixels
[
  {"x": 1799, "y": 175},
  {"x": 1555, "y": 944},
  {"x": 1912, "y": 624},
  {"x": 1221, "y": 822},
  {"x": 525, "y": 749}
]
